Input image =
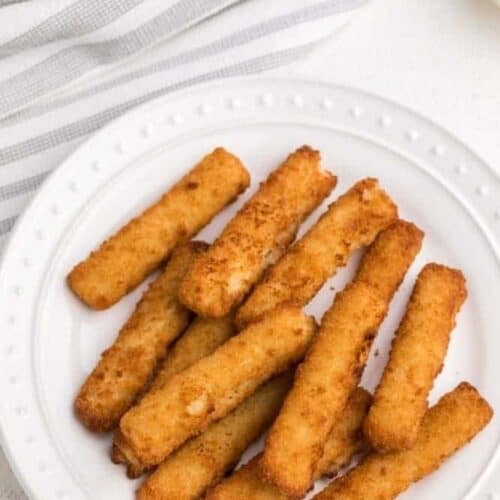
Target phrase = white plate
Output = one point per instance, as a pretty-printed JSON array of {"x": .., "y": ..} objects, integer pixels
[{"x": 50, "y": 341}]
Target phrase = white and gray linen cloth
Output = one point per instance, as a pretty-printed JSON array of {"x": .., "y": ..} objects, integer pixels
[{"x": 67, "y": 67}]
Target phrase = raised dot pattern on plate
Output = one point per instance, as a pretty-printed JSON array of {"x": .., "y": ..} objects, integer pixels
[
  {"x": 412, "y": 135},
  {"x": 298, "y": 101},
  {"x": 482, "y": 191},
  {"x": 267, "y": 100},
  {"x": 146, "y": 131},
  {"x": 385, "y": 121},
  {"x": 234, "y": 103},
  {"x": 176, "y": 119},
  {"x": 205, "y": 109},
  {"x": 438, "y": 150},
  {"x": 356, "y": 111},
  {"x": 327, "y": 103}
]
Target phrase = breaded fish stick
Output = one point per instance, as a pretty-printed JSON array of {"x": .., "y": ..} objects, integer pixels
[
  {"x": 352, "y": 221},
  {"x": 200, "y": 339},
  {"x": 257, "y": 236},
  {"x": 204, "y": 460},
  {"x": 388, "y": 258},
  {"x": 215, "y": 385},
  {"x": 417, "y": 355},
  {"x": 323, "y": 383},
  {"x": 346, "y": 438},
  {"x": 125, "y": 368},
  {"x": 125, "y": 259},
  {"x": 446, "y": 427},
  {"x": 345, "y": 441}
]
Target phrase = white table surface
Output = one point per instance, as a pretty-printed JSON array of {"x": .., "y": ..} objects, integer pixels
[{"x": 440, "y": 58}]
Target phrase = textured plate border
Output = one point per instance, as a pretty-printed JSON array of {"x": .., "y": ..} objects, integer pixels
[{"x": 67, "y": 191}]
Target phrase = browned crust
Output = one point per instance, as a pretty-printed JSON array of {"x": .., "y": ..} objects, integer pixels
[
  {"x": 346, "y": 438},
  {"x": 121, "y": 453},
  {"x": 204, "y": 460},
  {"x": 257, "y": 236},
  {"x": 246, "y": 483},
  {"x": 323, "y": 383},
  {"x": 126, "y": 258},
  {"x": 126, "y": 367},
  {"x": 352, "y": 221},
  {"x": 211, "y": 388},
  {"x": 385, "y": 263},
  {"x": 200, "y": 339},
  {"x": 446, "y": 427},
  {"x": 344, "y": 441},
  {"x": 418, "y": 351}
]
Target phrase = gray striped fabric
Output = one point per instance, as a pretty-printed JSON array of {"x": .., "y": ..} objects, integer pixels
[
  {"x": 70, "y": 63},
  {"x": 85, "y": 126},
  {"x": 75, "y": 20}
]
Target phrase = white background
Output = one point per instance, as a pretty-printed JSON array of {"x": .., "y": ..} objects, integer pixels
[{"x": 440, "y": 58}]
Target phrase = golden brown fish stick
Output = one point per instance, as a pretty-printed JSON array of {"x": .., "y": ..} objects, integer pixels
[
  {"x": 323, "y": 383},
  {"x": 387, "y": 259},
  {"x": 352, "y": 221},
  {"x": 345, "y": 438},
  {"x": 417, "y": 355},
  {"x": 125, "y": 259},
  {"x": 125, "y": 368},
  {"x": 446, "y": 427},
  {"x": 246, "y": 483},
  {"x": 200, "y": 339},
  {"x": 257, "y": 236},
  {"x": 204, "y": 460},
  {"x": 216, "y": 384},
  {"x": 344, "y": 441}
]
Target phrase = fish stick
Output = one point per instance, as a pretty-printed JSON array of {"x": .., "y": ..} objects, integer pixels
[
  {"x": 204, "y": 460},
  {"x": 131, "y": 254},
  {"x": 346, "y": 438},
  {"x": 388, "y": 258},
  {"x": 354, "y": 220},
  {"x": 446, "y": 427},
  {"x": 216, "y": 384},
  {"x": 417, "y": 356},
  {"x": 200, "y": 339},
  {"x": 344, "y": 441},
  {"x": 125, "y": 368},
  {"x": 257, "y": 236},
  {"x": 323, "y": 383}
]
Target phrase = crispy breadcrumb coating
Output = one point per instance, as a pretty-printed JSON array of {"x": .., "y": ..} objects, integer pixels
[
  {"x": 446, "y": 427},
  {"x": 126, "y": 367},
  {"x": 257, "y": 236},
  {"x": 344, "y": 441},
  {"x": 417, "y": 356},
  {"x": 352, "y": 221},
  {"x": 138, "y": 248},
  {"x": 215, "y": 385}
]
